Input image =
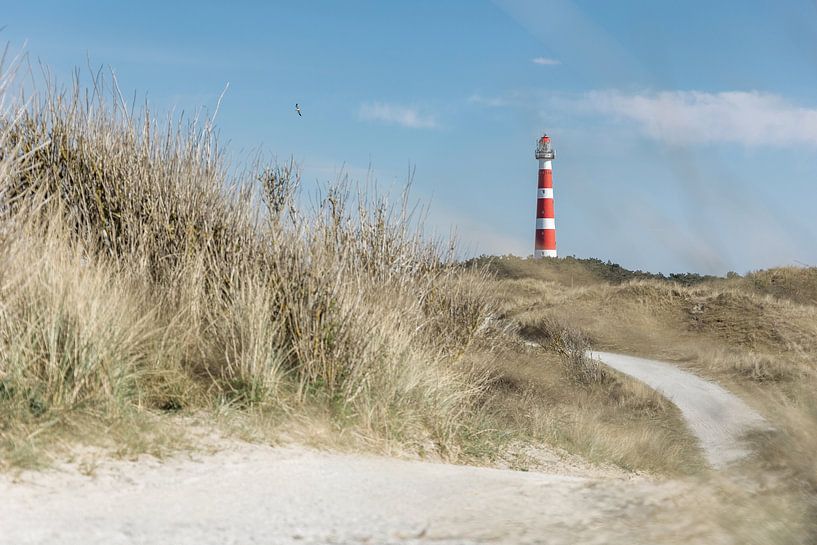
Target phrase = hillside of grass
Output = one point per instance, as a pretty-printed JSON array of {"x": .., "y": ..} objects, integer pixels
[
  {"x": 576, "y": 271},
  {"x": 769, "y": 313},
  {"x": 148, "y": 287},
  {"x": 140, "y": 278},
  {"x": 756, "y": 334},
  {"x": 795, "y": 284}
]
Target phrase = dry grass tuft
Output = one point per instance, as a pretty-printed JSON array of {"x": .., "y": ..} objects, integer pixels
[{"x": 572, "y": 345}]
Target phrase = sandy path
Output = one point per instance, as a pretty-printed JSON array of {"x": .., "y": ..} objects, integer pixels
[
  {"x": 255, "y": 494},
  {"x": 719, "y": 419}
]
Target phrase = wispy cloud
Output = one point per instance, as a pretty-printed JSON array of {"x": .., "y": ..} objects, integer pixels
[
  {"x": 544, "y": 61},
  {"x": 491, "y": 102},
  {"x": 394, "y": 114},
  {"x": 688, "y": 117}
]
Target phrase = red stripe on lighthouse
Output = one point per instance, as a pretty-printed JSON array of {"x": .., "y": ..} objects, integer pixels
[
  {"x": 545, "y": 238},
  {"x": 545, "y": 177}
]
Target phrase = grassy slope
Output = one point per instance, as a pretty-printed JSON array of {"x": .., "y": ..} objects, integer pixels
[
  {"x": 759, "y": 328},
  {"x": 141, "y": 286},
  {"x": 139, "y": 281}
]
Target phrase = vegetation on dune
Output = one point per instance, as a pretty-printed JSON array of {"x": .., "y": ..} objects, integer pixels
[
  {"x": 578, "y": 270},
  {"x": 756, "y": 334},
  {"x": 140, "y": 279},
  {"x": 796, "y": 284},
  {"x": 137, "y": 275}
]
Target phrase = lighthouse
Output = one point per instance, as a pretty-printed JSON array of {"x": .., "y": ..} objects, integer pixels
[{"x": 545, "y": 239}]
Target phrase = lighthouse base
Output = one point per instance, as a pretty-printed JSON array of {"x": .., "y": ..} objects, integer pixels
[{"x": 538, "y": 254}]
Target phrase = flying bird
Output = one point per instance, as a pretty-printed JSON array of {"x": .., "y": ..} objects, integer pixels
[{"x": 297, "y": 108}]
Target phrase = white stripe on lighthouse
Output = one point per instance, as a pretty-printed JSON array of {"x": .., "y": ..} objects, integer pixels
[
  {"x": 544, "y": 193},
  {"x": 545, "y": 164},
  {"x": 545, "y": 223}
]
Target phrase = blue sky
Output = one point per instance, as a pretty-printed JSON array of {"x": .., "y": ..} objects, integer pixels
[{"x": 686, "y": 132}]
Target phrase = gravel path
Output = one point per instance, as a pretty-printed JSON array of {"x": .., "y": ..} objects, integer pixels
[{"x": 719, "y": 419}]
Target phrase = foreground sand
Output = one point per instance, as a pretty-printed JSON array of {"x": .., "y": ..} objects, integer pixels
[{"x": 259, "y": 494}]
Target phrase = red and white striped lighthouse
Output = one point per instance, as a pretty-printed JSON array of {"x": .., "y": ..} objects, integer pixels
[{"x": 545, "y": 241}]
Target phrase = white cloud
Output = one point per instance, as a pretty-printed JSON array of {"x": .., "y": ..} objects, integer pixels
[
  {"x": 688, "y": 117},
  {"x": 544, "y": 61},
  {"x": 397, "y": 115}
]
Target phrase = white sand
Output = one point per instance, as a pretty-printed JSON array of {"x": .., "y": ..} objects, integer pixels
[{"x": 257, "y": 494}]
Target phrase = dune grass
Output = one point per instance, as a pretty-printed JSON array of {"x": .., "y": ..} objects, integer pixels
[
  {"x": 137, "y": 275},
  {"x": 143, "y": 281}
]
